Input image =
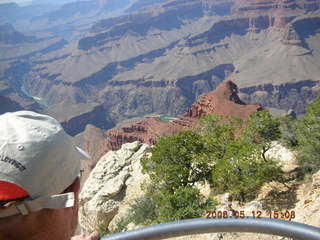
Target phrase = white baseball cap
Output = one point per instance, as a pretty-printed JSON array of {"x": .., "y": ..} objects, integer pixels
[{"x": 37, "y": 158}]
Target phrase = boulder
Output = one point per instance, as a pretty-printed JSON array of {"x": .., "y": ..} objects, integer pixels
[
  {"x": 284, "y": 156},
  {"x": 112, "y": 185},
  {"x": 307, "y": 210}
]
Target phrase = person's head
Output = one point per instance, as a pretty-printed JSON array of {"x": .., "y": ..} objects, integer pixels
[{"x": 39, "y": 183}]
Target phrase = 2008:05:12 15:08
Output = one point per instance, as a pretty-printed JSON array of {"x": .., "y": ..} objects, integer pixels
[{"x": 275, "y": 214}]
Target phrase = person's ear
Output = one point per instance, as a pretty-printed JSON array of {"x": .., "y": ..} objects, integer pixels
[{"x": 74, "y": 187}]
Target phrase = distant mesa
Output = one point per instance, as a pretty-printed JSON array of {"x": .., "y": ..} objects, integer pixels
[
  {"x": 81, "y": 9},
  {"x": 141, "y": 5},
  {"x": 247, "y": 15},
  {"x": 8, "y": 35}
]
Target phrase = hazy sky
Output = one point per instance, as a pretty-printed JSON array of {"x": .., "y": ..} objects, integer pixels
[
  {"x": 17, "y": 1},
  {"x": 26, "y": 2}
]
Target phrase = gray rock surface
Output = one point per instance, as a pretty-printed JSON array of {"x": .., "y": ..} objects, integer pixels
[{"x": 111, "y": 186}]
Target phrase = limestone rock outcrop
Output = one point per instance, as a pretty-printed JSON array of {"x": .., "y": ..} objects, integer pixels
[
  {"x": 111, "y": 187},
  {"x": 285, "y": 157},
  {"x": 308, "y": 208}
]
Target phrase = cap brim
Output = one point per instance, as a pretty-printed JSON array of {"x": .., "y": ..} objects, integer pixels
[
  {"x": 83, "y": 154},
  {"x": 59, "y": 201}
]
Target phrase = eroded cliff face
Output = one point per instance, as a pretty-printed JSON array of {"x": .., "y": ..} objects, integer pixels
[
  {"x": 223, "y": 101},
  {"x": 298, "y": 95},
  {"x": 75, "y": 118},
  {"x": 8, "y": 35},
  {"x": 166, "y": 17},
  {"x": 7, "y": 105},
  {"x": 159, "y": 60},
  {"x": 11, "y": 100}
]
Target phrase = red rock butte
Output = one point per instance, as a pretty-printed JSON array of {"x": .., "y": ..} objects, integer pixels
[{"x": 223, "y": 101}]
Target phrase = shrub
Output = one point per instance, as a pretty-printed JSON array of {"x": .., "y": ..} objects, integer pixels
[
  {"x": 262, "y": 129},
  {"x": 308, "y": 135},
  {"x": 288, "y": 127},
  {"x": 243, "y": 171},
  {"x": 231, "y": 160},
  {"x": 174, "y": 161},
  {"x": 122, "y": 225},
  {"x": 143, "y": 210},
  {"x": 239, "y": 162},
  {"x": 159, "y": 205},
  {"x": 184, "y": 203}
]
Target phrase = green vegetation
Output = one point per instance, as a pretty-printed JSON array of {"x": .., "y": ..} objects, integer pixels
[
  {"x": 122, "y": 225},
  {"x": 229, "y": 154},
  {"x": 288, "y": 129},
  {"x": 308, "y": 136},
  {"x": 261, "y": 131},
  {"x": 174, "y": 162},
  {"x": 241, "y": 165},
  {"x": 184, "y": 203},
  {"x": 303, "y": 136},
  {"x": 158, "y": 205}
]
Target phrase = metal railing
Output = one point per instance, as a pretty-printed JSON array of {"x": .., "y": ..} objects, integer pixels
[{"x": 201, "y": 225}]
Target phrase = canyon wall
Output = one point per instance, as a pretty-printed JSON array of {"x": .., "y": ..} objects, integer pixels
[
  {"x": 160, "y": 59},
  {"x": 296, "y": 95},
  {"x": 223, "y": 101}
]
